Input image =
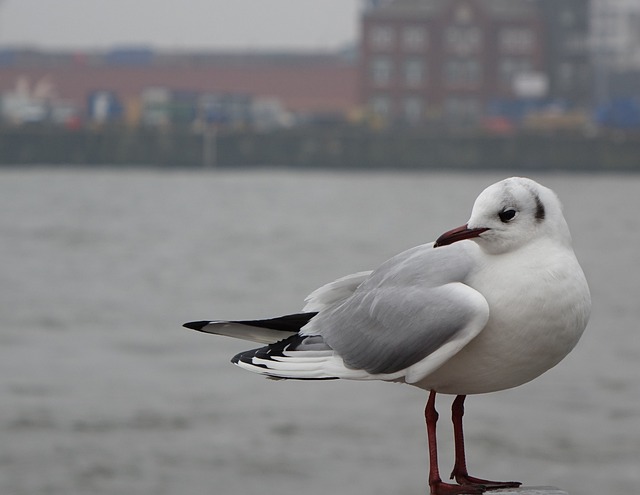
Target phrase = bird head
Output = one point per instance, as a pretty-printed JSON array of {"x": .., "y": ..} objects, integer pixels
[{"x": 510, "y": 214}]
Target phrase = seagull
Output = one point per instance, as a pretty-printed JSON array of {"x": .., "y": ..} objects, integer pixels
[{"x": 488, "y": 306}]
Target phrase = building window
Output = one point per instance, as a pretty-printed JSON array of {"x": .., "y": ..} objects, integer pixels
[
  {"x": 463, "y": 72},
  {"x": 463, "y": 39},
  {"x": 380, "y": 105},
  {"x": 381, "y": 71},
  {"x": 414, "y": 38},
  {"x": 414, "y": 72},
  {"x": 516, "y": 39},
  {"x": 381, "y": 37},
  {"x": 463, "y": 14},
  {"x": 462, "y": 109},
  {"x": 566, "y": 75},
  {"x": 510, "y": 67},
  {"x": 568, "y": 18},
  {"x": 576, "y": 43},
  {"x": 413, "y": 109}
]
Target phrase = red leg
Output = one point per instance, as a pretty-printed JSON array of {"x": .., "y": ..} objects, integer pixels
[
  {"x": 460, "y": 472},
  {"x": 437, "y": 486}
]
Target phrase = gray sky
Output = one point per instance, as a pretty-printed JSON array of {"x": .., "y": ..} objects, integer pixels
[{"x": 217, "y": 24}]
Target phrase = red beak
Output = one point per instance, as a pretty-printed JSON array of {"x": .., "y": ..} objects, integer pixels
[{"x": 458, "y": 234}]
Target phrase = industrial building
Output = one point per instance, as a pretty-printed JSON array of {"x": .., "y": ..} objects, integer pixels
[
  {"x": 136, "y": 86},
  {"x": 423, "y": 63},
  {"x": 434, "y": 61}
]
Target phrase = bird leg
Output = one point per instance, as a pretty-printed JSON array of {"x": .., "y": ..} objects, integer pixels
[
  {"x": 460, "y": 472},
  {"x": 437, "y": 486}
]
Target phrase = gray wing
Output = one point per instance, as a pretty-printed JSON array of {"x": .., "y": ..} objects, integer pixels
[
  {"x": 406, "y": 311},
  {"x": 334, "y": 293}
]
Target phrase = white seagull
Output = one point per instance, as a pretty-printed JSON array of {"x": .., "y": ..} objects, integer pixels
[{"x": 498, "y": 302}]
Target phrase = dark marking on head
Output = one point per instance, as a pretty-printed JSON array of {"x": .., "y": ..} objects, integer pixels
[{"x": 540, "y": 211}]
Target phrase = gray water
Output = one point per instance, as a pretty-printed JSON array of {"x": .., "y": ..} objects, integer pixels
[{"x": 103, "y": 392}]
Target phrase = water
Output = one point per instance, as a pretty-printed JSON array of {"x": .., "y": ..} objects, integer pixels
[{"x": 104, "y": 393}]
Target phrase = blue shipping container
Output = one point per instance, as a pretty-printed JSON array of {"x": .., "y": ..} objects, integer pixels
[{"x": 621, "y": 113}]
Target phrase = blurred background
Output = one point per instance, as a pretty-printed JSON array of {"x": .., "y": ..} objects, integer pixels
[
  {"x": 329, "y": 84},
  {"x": 193, "y": 160}
]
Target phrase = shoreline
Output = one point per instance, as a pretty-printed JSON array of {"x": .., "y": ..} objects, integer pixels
[{"x": 320, "y": 148}]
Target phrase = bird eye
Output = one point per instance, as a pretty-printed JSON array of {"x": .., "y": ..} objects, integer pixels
[{"x": 507, "y": 215}]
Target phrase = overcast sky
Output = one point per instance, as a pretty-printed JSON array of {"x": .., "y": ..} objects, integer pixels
[{"x": 214, "y": 24}]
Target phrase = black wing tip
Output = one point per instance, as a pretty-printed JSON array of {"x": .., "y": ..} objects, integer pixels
[
  {"x": 247, "y": 357},
  {"x": 196, "y": 325},
  {"x": 266, "y": 353},
  {"x": 288, "y": 323}
]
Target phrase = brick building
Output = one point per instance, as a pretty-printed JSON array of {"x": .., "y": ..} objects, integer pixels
[
  {"x": 567, "y": 50},
  {"x": 445, "y": 60}
]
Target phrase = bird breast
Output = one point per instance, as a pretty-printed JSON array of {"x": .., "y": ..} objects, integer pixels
[{"x": 538, "y": 311}]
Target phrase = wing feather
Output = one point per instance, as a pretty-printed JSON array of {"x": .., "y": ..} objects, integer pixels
[
  {"x": 266, "y": 331},
  {"x": 415, "y": 309},
  {"x": 335, "y": 292}
]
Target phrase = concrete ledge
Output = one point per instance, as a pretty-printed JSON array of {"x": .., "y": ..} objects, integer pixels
[{"x": 530, "y": 490}]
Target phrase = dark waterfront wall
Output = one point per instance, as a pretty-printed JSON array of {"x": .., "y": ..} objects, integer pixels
[{"x": 319, "y": 148}]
